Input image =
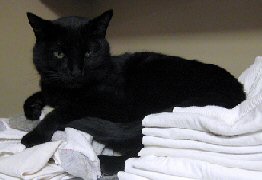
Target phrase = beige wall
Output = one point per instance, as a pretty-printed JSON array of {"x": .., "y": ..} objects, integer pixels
[
  {"x": 227, "y": 33},
  {"x": 18, "y": 79}
]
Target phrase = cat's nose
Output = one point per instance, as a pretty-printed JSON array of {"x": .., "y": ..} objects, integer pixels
[{"x": 76, "y": 72}]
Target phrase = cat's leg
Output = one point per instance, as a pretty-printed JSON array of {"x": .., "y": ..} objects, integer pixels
[
  {"x": 125, "y": 138},
  {"x": 111, "y": 165},
  {"x": 55, "y": 120},
  {"x": 33, "y": 106}
]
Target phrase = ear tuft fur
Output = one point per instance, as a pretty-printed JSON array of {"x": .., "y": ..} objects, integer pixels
[
  {"x": 39, "y": 25},
  {"x": 34, "y": 21},
  {"x": 101, "y": 22}
]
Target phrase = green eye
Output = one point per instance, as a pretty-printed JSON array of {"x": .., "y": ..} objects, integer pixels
[
  {"x": 59, "y": 54},
  {"x": 88, "y": 53}
]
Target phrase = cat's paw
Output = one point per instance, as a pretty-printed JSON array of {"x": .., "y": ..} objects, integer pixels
[
  {"x": 32, "y": 138},
  {"x": 32, "y": 113},
  {"x": 33, "y": 108},
  {"x": 111, "y": 165}
]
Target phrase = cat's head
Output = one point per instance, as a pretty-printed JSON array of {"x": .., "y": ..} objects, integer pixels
[{"x": 68, "y": 50}]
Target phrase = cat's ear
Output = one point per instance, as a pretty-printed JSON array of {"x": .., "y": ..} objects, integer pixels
[
  {"x": 39, "y": 25},
  {"x": 101, "y": 23}
]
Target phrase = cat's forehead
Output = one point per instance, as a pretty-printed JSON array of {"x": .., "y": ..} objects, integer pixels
[
  {"x": 72, "y": 29},
  {"x": 72, "y": 21}
]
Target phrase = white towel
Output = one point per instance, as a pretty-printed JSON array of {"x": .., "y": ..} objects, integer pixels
[
  {"x": 245, "y": 118},
  {"x": 16, "y": 162},
  {"x": 150, "y": 141},
  {"x": 128, "y": 176},
  {"x": 252, "y": 78},
  {"x": 77, "y": 155},
  {"x": 248, "y": 162},
  {"x": 151, "y": 169},
  {"x": 9, "y": 139},
  {"x": 73, "y": 151},
  {"x": 249, "y": 139},
  {"x": 32, "y": 163},
  {"x": 7, "y": 133},
  {"x": 159, "y": 168}
]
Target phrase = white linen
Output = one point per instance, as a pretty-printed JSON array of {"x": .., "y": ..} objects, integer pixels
[
  {"x": 244, "y": 118},
  {"x": 127, "y": 176},
  {"x": 249, "y": 139},
  {"x": 31, "y": 163},
  {"x": 74, "y": 152},
  {"x": 251, "y": 78},
  {"x": 17, "y": 162},
  {"x": 169, "y": 168},
  {"x": 248, "y": 162},
  {"x": 77, "y": 155},
  {"x": 150, "y": 141}
]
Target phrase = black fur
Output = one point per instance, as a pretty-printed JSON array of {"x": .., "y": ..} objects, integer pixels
[{"x": 108, "y": 96}]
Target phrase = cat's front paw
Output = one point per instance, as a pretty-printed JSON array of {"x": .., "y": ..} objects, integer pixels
[
  {"x": 33, "y": 108},
  {"x": 32, "y": 138},
  {"x": 32, "y": 113}
]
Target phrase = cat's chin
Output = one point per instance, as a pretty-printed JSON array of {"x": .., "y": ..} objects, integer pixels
[
  {"x": 73, "y": 85},
  {"x": 66, "y": 85}
]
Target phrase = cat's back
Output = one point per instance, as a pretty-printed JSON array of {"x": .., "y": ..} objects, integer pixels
[
  {"x": 159, "y": 76},
  {"x": 151, "y": 64}
]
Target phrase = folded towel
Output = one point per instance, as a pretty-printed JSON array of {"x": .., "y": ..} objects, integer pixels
[
  {"x": 245, "y": 118},
  {"x": 147, "y": 175},
  {"x": 150, "y": 168},
  {"x": 127, "y": 176},
  {"x": 150, "y": 141},
  {"x": 249, "y": 139},
  {"x": 248, "y": 161},
  {"x": 159, "y": 168}
]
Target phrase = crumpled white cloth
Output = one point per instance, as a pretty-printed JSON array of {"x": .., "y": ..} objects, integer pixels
[
  {"x": 72, "y": 153},
  {"x": 251, "y": 78},
  {"x": 18, "y": 162},
  {"x": 32, "y": 163},
  {"x": 77, "y": 155}
]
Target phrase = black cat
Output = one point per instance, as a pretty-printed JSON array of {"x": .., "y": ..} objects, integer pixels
[{"x": 108, "y": 96}]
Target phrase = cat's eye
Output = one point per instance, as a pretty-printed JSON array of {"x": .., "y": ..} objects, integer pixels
[
  {"x": 59, "y": 54},
  {"x": 88, "y": 54}
]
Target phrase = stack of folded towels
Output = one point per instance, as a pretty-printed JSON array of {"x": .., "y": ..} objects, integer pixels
[{"x": 204, "y": 142}]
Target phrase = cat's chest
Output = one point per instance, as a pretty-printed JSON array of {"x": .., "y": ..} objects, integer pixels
[
  {"x": 59, "y": 96},
  {"x": 101, "y": 93}
]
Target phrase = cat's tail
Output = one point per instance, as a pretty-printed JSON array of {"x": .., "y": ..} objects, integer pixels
[{"x": 122, "y": 137}]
